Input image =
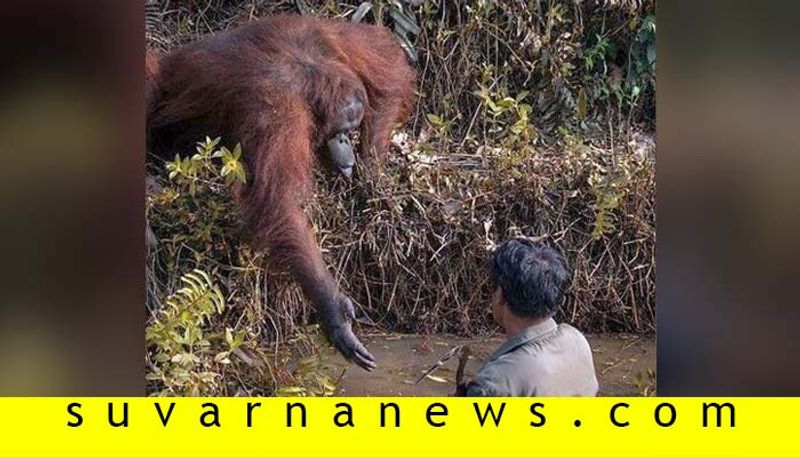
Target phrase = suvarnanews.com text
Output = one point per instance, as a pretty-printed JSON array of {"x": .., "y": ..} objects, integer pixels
[{"x": 296, "y": 414}]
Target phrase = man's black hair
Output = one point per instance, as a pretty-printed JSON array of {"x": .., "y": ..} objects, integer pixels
[{"x": 531, "y": 275}]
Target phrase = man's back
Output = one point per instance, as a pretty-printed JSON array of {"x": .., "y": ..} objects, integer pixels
[{"x": 546, "y": 359}]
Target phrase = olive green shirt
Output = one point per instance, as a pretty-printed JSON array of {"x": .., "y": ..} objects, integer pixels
[{"x": 544, "y": 360}]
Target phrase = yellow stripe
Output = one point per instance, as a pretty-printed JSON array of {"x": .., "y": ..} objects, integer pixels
[{"x": 39, "y": 426}]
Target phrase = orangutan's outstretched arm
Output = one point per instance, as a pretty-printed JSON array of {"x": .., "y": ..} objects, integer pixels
[
  {"x": 281, "y": 168},
  {"x": 294, "y": 241}
]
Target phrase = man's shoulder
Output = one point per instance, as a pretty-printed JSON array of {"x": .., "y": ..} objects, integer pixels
[
  {"x": 536, "y": 366},
  {"x": 527, "y": 359},
  {"x": 564, "y": 327},
  {"x": 568, "y": 332}
]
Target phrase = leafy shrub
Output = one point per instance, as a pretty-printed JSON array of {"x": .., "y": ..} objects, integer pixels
[
  {"x": 204, "y": 338},
  {"x": 183, "y": 355}
]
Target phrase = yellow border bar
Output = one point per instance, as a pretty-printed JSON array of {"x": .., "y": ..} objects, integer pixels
[{"x": 535, "y": 426}]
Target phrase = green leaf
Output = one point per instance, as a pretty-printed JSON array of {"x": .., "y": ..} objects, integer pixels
[
  {"x": 291, "y": 391},
  {"x": 222, "y": 357},
  {"x": 507, "y": 103},
  {"x": 582, "y": 104},
  {"x": 434, "y": 119}
]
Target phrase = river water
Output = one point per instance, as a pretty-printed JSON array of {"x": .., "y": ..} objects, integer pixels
[{"x": 402, "y": 359}]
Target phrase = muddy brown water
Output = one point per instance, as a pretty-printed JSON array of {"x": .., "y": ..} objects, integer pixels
[{"x": 402, "y": 359}]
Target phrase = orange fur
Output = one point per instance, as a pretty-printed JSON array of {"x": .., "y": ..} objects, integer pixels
[{"x": 274, "y": 85}]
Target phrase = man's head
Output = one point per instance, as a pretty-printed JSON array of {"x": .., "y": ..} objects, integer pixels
[{"x": 529, "y": 279}]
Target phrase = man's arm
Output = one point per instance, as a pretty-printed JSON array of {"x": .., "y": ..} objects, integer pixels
[
  {"x": 480, "y": 387},
  {"x": 491, "y": 381}
]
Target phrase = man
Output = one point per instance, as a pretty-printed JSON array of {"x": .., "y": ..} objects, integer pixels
[{"x": 540, "y": 357}]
